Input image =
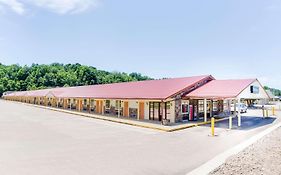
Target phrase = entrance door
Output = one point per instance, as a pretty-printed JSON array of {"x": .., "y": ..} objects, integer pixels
[
  {"x": 97, "y": 106},
  {"x": 101, "y": 106},
  {"x": 126, "y": 109},
  {"x": 141, "y": 110},
  {"x": 185, "y": 110},
  {"x": 155, "y": 111}
]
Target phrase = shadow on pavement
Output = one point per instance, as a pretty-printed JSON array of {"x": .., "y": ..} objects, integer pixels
[{"x": 247, "y": 123}]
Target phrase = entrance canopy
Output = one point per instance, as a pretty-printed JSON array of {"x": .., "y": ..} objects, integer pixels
[{"x": 229, "y": 89}]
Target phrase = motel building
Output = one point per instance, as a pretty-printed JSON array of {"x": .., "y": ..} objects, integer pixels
[{"x": 173, "y": 100}]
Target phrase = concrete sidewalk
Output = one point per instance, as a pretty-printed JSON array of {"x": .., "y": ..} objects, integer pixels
[{"x": 144, "y": 124}]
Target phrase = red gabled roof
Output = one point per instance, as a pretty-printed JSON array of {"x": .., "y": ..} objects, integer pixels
[
  {"x": 37, "y": 93},
  {"x": 221, "y": 89},
  {"x": 19, "y": 93},
  {"x": 151, "y": 89},
  {"x": 45, "y": 92}
]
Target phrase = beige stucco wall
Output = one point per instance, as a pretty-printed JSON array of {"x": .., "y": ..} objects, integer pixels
[
  {"x": 246, "y": 93},
  {"x": 133, "y": 104}
]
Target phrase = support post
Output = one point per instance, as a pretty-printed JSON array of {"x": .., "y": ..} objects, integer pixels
[
  {"x": 213, "y": 126},
  {"x": 211, "y": 108},
  {"x": 119, "y": 101},
  {"x": 229, "y": 107},
  {"x": 162, "y": 107},
  {"x": 102, "y": 107},
  {"x": 273, "y": 111},
  {"x": 205, "y": 110},
  {"x": 45, "y": 101},
  {"x": 230, "y": 122},
  {"x": 89, "y": 105},
  {"x": 138, "y": 110},
  {"x": 239, "y": 112},
  {"x": 118, "y": 112},
  {"x": 79, "y": 104},
  {"x": 235, "y": 108}
]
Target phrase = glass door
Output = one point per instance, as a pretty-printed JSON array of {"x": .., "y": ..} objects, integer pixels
[{"x": 185, "y": 110}]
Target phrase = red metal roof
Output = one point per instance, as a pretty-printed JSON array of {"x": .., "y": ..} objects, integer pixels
[
  {"x": 37, "y": 93},
  {"x": 221, "y": 89},
  {"x": 19, "y": 93},
  {"x": 45, "y": 92},
  {"x": 151, "y": 89}
]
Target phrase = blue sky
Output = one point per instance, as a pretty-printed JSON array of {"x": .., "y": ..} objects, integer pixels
[{"x": 228, "y": 39}]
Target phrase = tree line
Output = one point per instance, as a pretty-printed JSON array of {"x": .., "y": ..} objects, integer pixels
[
  {"x": 40, "y": 76},
  {"x": 276, "y": 92}
]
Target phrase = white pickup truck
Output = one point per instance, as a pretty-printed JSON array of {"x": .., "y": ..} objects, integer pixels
[{"x": 243, "y": 107}]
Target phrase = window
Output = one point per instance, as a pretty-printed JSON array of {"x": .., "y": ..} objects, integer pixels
[
  {"x": 107, "y": 104},
  {"x": 184, "y": 108},
  {"x": 118, "y": 104},
  {"x": 154, "y": 110},
  {"x": 201, "y": 106},
  {"x": 92, "y": 102},
  {"x": 254, "y": 89},
  {"x": 151, "y": 110},
  {"x": 168, "y": 107},
  {"x": 215, "y": 105}
]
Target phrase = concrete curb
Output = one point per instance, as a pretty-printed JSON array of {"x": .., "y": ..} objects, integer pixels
[{"x": 217, "y": 161}]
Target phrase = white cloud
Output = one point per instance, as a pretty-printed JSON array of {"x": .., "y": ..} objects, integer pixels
[
  {"x": 65, "y": 6},
  {"x": 56, "y": 6},
  {"x": 14, "y": 5}
]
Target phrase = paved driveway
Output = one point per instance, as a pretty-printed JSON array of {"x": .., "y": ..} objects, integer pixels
[{"x": 37, "y": 141}]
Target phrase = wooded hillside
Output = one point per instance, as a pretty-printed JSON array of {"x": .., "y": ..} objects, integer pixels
[{"x": 20, "y": 78}]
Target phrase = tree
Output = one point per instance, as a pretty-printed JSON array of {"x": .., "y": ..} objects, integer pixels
[{"x": 20, "y": 78}]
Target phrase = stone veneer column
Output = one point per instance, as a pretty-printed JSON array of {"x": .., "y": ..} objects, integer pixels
[{"x": 178, "y": 117}]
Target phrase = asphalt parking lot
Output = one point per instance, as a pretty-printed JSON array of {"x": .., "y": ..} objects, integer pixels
[{"x": 38, "y": 141}]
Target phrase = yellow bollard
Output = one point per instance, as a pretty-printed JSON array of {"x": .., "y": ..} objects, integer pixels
[
  {"x": 213, "y": 126},
  {"x": 273, "y": 111}
]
